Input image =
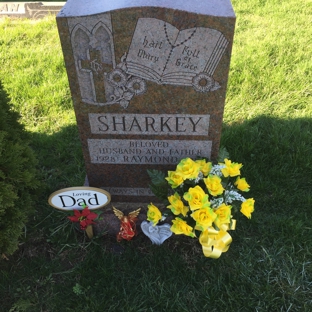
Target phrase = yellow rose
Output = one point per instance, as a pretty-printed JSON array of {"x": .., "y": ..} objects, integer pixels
[
  {"x": 214, "y": 186},
  {"x": 203, "y": 217},
  {"x": 196, "y": 198},
  {"x": 188, "y": 168},
  {"x": 174, "y": 179},
  {"x": 177, "y": 207},
  {"x": 179, "y": 226},
  {"x": 223, "y": 215},
  {"x": 247, "y": 207},
  {"x": 205, "y": 167},
  {"x": 242, "y": 185},
  {"x": 153, "y": 214},
  {"x": 231, "y": 169}
]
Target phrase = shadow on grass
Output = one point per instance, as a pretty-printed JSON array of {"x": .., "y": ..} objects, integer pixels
[
  {"x": 267, "y": 267},
  {"x": 277, "y": 158},
  {"x": 60, "y": 158}
]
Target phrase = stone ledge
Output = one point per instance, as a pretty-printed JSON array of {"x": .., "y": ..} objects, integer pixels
[{"x": 30, "y": 9}]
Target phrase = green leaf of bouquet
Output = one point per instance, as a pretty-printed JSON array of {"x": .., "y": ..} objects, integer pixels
[
  {"x": 159, "y": 191},
  {"x": 223, "y": 153},
  {"x": 197, "y": 233},
  {"x": 157, "y": 177}
]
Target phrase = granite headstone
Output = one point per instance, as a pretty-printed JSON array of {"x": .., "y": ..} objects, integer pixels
[{"x": 148, "y": 81}]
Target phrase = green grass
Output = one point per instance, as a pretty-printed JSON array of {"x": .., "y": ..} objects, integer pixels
[{"x": 267, "y": 127}]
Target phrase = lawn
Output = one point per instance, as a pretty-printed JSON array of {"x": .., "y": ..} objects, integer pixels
[{"x": 267, "y": 127}]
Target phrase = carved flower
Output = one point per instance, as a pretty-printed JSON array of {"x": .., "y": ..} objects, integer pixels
[
  {"x": 136, "y": 85},
  {"x": 203, "y": 82},
  {"x": 117, "y": 77}
]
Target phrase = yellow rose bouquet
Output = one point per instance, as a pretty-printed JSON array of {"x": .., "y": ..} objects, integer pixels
[{"x": 203, "y": 198}]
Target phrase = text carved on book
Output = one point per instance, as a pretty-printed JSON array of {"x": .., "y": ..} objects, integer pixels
[{"x": 160, "y": 53}]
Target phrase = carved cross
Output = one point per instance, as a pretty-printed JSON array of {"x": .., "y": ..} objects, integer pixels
[{"x": 98, "y": 68}]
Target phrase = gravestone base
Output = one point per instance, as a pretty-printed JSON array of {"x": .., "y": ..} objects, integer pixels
[
  {"x": 127, "y": 191},
  {"x": 109, "y": 224}
]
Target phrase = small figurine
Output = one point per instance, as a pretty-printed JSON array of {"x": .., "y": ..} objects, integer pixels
[
  {"x": 127, "y": 224},
  {"x": 156, "y": 233}
]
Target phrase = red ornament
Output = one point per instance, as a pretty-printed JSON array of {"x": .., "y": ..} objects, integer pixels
[
  {"x": 85, "y": 217},
  {"x": 127, "y": 224}
]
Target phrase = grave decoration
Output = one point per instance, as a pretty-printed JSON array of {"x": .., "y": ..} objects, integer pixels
[
  {"x": 127, "y": 224},
  {"x": 84, "y": 202},
  {"x": 156, "y": 233},
  {"x": 85, "y": 218},
  {"x": 202, "y": 198},
  {"x": 148, "y": 82}
]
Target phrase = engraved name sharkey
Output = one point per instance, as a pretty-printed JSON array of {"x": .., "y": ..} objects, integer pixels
[{"x": 151, "y": 124}]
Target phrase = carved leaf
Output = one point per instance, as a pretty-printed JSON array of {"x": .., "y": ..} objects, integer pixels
[
  {"x": 124, "y": 103},
  {"x": 128, "y": 95},
  {"x": 118, "y": 92}
]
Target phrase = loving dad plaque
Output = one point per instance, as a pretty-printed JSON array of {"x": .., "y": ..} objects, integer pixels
[{"x": 79, "y": 197}]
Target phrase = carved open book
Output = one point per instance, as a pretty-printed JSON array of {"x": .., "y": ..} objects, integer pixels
[{"x": 161, "y": 53}]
